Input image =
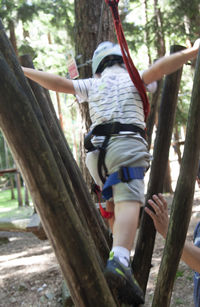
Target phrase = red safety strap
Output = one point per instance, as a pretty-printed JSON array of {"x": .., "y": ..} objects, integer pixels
[
  {"x": 132, "y": 70},
  {"x": 106, "y": 214}
]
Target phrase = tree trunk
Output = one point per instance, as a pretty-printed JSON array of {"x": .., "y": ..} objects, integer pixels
[
  {"x": 70, "y": 168},
  {"x": 147, "y": 34},
  {"x": 159, "y": 43},
  {"x": 146, "y": 237},
  {"x": 167, "y": 187},
  {"x": 153, "y": 111},
  {"x": 159, "y": 37},
  {"x": 12, "y": 187},
  {"x": 13, "y": 36},
  {"x": 182, "y": 203},
  {"x": 26, "y": 196},
  {"x": 19, "y": 190},
  {"x": 75, "y": 147},
  {"x": 24, "y": 128},
  {"x": 59, "y": 110},
  {"x": 177, "y": 144},
  {"x": 93, "y": 25}
]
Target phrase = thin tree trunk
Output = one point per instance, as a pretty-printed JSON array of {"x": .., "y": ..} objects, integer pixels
[
  {"x": 153, "y": 111},
  {"x": 26, "y": 196},
  {"x": 159, "y": 43},
  {"x": 13, "y": 36},
  {"x": 167, "y": 188},
  {"x": 69, "y": 236},
  {"x": 59, "y": 110},
  {"x": 182, "y": 203},
  {"x": 70, "y": 168},
  {"x": 19, "y": 190},
  {"x": 147, "y": 34},
  {"x": 75, "y": 147},
  {"x": 177, "y": 145},
  {"x": 146, "y": 237},
  {"x": 93, "y": 25},
  {"x": 12, "y": 187},
  {"x": 159, "y": 37}
]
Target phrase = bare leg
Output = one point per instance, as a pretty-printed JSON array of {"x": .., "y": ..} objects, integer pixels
[
  {"x": 118, "y": 265},
  {"x": 126, "y": 222}
]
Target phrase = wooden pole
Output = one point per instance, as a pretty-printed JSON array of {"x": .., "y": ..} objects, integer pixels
[
  {"x": 146, "y": 238},
  {"x": 24, "y": 131},
  {"x": 59, "y": 110},
  {"x": 153, "y": 111},
  {"x": 182, "y": 202},
  {"x": 69, "y": 169}
]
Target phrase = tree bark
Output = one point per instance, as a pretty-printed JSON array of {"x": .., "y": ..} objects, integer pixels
[
  {"x": 146, "y": 238},
  {"x": 182, "y": 202},
  {"x": 147, "y": 33},
  {"x": 26, "y": 196},
  {"x": 19, "y": 190},
  {"x": 176, "y": 144},
  {"x": 153, "y": 111},
  {"x": 159, "y": 43},
  {"x": 24, "y": 128},
  {"x": 93, "y": 25},
  {"x": 68, "y": 168},
  {"x": 167, "y": 187},
  {"x": 13, "y": 39},
  {"x": 159, "y": 37},
  {"x": 59, "y": 110}
]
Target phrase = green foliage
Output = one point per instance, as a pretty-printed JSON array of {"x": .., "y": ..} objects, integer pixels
[
  {"x": 9, "y": 207},
  {"x": 8, "y": 7},
  {"x": 25, "y": 48},
  {"x": 179, "y": 302},
  {"x": 188, "y": 13},
  {"x": 61, "y": 12},
  {"x": 6, "y": 160},
  {"x": 26, "y": 11},
  {"x": 45, "y": 30},
  {"x": 179, "y": 274}
]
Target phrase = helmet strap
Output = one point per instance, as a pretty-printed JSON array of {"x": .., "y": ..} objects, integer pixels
[{"x": 108, "y": 62}]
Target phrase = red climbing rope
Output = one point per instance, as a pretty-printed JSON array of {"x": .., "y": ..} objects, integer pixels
[
  {"x": 132, "y": 70},
  {"x": 106, "y": 214}
]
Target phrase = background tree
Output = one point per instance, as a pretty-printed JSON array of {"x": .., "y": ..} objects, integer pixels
[{"x": 93, "y": 24}]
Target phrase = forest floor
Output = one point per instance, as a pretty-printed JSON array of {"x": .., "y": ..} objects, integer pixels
[{"x": 31, "y": 277}]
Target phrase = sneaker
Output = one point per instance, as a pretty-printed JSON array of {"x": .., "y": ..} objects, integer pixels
[{"x": 121, "y": 278}]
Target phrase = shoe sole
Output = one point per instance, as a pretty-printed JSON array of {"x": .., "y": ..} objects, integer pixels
[{"x": 127, "y": 293}]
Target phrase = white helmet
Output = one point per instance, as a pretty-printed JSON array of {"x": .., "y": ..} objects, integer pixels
[{"x": 103, "y": 50}]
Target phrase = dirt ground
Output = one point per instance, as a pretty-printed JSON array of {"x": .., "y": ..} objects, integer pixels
[{"x": 30, "y": 274}]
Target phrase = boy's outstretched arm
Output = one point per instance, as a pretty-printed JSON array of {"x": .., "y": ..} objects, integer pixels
[
  {"x": 191, "y": 253},
  {"x": 169, "y": 64},
  {"x": 50, "y": 81}
]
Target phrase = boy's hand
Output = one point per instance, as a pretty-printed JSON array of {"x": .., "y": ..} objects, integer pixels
[{"x": 160, "y": 214}]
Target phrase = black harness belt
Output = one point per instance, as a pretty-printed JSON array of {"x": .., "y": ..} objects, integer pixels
[
  {"x": 115, "y": 128},
  {"x": 107, "y": 130}
]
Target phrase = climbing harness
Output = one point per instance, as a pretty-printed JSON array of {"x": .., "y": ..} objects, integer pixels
[
  {"x": 124, "y": 174},
  {"x": 106, "y": 214},
  {"x": 107, "y": 130}
]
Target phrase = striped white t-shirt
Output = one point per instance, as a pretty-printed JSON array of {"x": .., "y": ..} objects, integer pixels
[{"x": 113, "y": 97}]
